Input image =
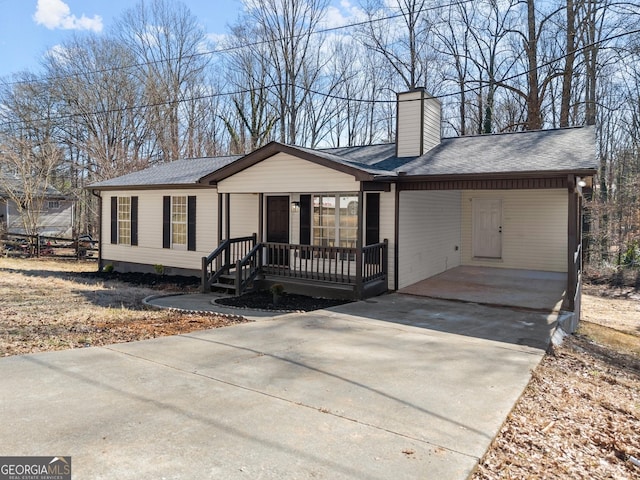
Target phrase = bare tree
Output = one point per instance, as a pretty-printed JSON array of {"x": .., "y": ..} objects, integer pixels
[
  {"x": 250, "y": 120},
  {"x": 166, "y": 40},
  {"x": 287, "y": 26},
  {"x": 29, "y": 153}
]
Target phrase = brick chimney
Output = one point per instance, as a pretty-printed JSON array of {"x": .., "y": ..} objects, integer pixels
[{"x": 418, "y": 123}]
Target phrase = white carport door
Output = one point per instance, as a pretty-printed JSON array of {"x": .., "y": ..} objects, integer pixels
[{"x": 487, "y": 227}]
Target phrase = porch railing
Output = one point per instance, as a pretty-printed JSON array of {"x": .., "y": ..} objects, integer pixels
[
  {"x": 340, "y": 265},
  {"x": 310, "y": 262},
  {"x": 222, "y": 259},
  {"x": 248, "y": 268},
  {"x": 344, "y": 266}
]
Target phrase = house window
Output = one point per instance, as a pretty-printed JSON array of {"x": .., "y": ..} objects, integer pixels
[
  {"x": 124, "y": 220},
  {"x": 335, "y": 220},
  {"x": 54, "y": 204},
  {"x": 179, "y": 221}
]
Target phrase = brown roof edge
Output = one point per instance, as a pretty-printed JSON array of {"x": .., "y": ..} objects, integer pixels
[
  {"x": 174, "y": 186},
  {"x": 274, "y": 148},
  {"x": 496, "y": 175}
]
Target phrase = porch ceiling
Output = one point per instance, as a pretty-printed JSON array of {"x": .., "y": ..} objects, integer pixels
[{"x": 495, "y": 286}]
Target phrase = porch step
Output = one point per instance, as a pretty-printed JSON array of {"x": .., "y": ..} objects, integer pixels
[
  {"x": 226, "y": 283},
  {"x": 225, "y": 287}
]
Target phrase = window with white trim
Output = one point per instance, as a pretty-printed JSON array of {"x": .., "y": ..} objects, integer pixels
[
  {"x": 124, "y": 220},
  {"x": 179, "y": 221},
  {"x": 335, "y": 220}
]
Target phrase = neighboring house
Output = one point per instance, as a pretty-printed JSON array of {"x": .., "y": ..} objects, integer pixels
[
  {"x": 356, "y": 221},
  {"x": 54, "y": 215}
]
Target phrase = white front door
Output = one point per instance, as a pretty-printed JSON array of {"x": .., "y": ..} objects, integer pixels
[{"x": 487, "y": 227}]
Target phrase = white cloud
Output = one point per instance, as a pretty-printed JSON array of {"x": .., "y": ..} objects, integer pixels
[
  {"x": 341, "y": 14},
  {"x": 57, "y": 14}
]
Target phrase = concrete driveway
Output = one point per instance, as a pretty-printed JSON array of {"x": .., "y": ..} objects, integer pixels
[{"x": 394, "y": 387}]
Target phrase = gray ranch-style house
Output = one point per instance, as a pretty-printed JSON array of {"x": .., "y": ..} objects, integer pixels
[
  {"x": 358, "y": 221},
  {"x": 54, "y": 215}
]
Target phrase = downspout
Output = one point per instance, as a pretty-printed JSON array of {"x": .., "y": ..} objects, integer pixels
[{"x": 93, "y": 192}]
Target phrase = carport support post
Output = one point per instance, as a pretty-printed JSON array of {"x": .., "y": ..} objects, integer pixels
[
  {"x": 573, "y": 264},
  {"x": 359, "y": 285}
]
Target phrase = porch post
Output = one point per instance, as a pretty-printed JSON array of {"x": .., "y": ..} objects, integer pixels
[
  {"x": 359, "y": 285},
  {"x": 220, "y": 197},
  {"x": 260, "y": 216},
  {"x": 227, "y": 207}
]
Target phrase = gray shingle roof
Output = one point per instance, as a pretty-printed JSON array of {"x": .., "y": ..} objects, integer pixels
[
  {"x": 180, "y": 172},
  {"x": 566, "y": 149},
  {"x": 16, "y": 186}
]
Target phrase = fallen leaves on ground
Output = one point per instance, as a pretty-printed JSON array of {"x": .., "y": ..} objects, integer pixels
[{"x": 578, "y": 418}]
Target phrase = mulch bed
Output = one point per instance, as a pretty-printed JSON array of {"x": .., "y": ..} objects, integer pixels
[
  {"x": 161, "y": 282},
  {"x": 259, "y": 300},
  {"x": 263, "y": 300}
]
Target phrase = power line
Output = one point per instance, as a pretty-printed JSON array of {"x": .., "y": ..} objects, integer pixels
[
  {"x": 315, "y": 92},
  {"x": 258, "y": 43}
]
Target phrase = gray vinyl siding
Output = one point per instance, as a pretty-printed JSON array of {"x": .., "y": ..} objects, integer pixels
[
  {"x": 430, "y": 229},
  {"x": 534, "y": 229},
  {"x": 432, "y": 124},
  {"x": 54, "y": 222}
]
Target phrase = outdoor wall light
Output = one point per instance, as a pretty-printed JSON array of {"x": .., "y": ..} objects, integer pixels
[
  {"x": 582, "y": 183},
  {"x": 295, "y": 207}
]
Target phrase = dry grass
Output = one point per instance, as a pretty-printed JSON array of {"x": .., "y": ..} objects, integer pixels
[{"x": 46, "y": 305}]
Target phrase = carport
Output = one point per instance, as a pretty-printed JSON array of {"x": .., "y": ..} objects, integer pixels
[{"x": 507, "y": 287}]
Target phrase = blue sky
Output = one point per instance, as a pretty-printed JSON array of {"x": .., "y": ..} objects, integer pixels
[{"x": 29, "y": 28}]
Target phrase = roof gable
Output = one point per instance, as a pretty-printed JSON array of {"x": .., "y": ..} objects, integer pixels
[{"x": 324, "y": 158}]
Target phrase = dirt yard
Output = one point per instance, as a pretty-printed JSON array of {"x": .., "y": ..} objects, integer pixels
[
  {"x": 55, "y": 305},
  {"x": 578, "y": 418}
]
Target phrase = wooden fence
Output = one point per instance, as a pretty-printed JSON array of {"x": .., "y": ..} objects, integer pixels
[{"x": 20, "y": 245}]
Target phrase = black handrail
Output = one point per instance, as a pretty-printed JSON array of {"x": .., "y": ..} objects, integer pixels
[
  {"x": 224, "y": 258},
  {"x": 244, "y": 276}
]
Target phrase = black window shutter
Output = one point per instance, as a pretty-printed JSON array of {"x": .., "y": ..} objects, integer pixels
[
  {"x": 166, "y": 221},
  {"x": 372, "y": 227},
  {"x": 191, "y": 223},
  {"x": 305, "y": 224},
  {"x": 372, "y": 219},
  {"x": 114, "y": 219},
  {"x": 134, "y": 220}
]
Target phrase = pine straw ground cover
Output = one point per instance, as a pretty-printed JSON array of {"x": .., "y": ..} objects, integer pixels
[
  {"x": 578, "y": 418},
  {"x": 54, "y": 305}
]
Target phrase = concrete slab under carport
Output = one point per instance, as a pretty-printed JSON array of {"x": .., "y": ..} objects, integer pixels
[
  {"x": 531, "y": 289},
  {"x": 395, "y": 387}
]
